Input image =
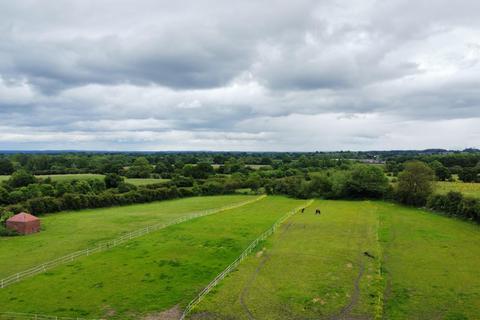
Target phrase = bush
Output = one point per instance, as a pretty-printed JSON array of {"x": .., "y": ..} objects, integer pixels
[
  {"x": 4, "y": 232},
  {"x": 42, "y": 205},
  {"x": 113, "y": 180},
  {"x": 21, "y": 178},
  {"x": 126, "y": 187}
]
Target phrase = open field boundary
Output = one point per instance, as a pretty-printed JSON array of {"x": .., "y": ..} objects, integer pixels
[
  {"x": 34, "y": 316},
  {"x": 115, "y": 242},
  {"x": 240, "y": 258}
]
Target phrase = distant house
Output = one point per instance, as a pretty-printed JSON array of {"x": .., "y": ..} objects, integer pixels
[{"x": 24, "y": 223}]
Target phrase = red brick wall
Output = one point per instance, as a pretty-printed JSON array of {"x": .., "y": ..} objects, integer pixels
[{"x": 24, "y": 227}]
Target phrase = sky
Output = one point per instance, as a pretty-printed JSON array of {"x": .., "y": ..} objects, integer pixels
[{"x": 239, "y": 75}]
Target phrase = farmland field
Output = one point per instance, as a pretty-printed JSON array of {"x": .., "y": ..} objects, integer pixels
[
  {"x": 69, "y": 177},
  {"x": 141, "y": 181},
  {"x": 420, "y": 265},
  {"x": 85, "y": 176},
  {"x": 148, "y": 274},
  {"x": 425, "y": 267},
  {"x": 308, "y": 269},
  {"x": 468, "y": 189},
  {"x": 66, "y": 232}
]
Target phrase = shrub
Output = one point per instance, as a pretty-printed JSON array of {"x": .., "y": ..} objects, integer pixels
[{"x": 43, "y": 205}]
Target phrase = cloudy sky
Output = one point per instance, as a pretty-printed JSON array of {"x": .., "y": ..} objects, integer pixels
[{"x": 239, "y": 75}]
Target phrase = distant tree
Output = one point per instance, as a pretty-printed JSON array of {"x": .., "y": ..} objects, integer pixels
[
  {"x": 266, "y": 161},
  {"x": 442, "y": 172},
  {"x": 469, "y": 174},
  {"x": 198, "y": 171},
  {"x": 140, "y": 168},
  {"x": 21, "y": 178},
  {"x": 6, "y": 167},
  {"x": 112, "y": 180},
  {"x": 219, "y": 159},
  {"x": 415, "y": 183},
  {"x": 163, "y": 169}
]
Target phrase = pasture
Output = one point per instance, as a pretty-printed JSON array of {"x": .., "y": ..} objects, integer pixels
[
  {"x": 313, "y": 267},
  {"x": 425, "y": 266},
  {"x": 419, "y": 265},
  {"x": 467, "y": 188},
  {"x": 156, "y": 272},
  {"x": 66, "y": 232}
]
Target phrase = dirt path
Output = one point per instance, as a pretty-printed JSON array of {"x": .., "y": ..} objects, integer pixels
[
  {"x": 344, "y": 313},
  {"x": 254, "y": 275}
]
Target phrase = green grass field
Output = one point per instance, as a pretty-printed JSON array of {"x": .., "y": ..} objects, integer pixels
[
  {"x": 69, "y": 177},
  {"x": 425, "y": 267},
  {"x": 431, "y": 265},
  {"x": 313, "y": 267},
  {"x": 142, "y": 182},
  {"x": 66, "y": 232},
  {"x": 85, "y": 176},
  {"x": 148, "y": 274},
  {"x": 468, "y": 189}
]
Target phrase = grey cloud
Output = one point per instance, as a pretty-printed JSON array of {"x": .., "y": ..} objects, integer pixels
[{"x": 248, "y": 75}]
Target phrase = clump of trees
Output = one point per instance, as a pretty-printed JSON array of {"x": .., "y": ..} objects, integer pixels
[{"x": 358, "y": 182}]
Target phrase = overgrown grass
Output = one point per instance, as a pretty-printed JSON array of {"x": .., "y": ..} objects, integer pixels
[
  {"x": 66, "y": 232},
  {"x": 468, "y": 189},
  {"x": 314, "y": 267},
  {"x": 149, "y": 274}
]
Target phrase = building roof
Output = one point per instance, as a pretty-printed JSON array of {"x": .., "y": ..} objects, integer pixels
[{"x": 23, "y": 217}]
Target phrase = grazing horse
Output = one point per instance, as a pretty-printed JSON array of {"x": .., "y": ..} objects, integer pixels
[
  {"x": 318, "y": 211},
  {"x": 368, "y": 254}
]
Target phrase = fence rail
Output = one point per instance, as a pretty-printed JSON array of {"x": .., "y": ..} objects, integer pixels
[
  {"x": 237, "y": 261},
  {"x": 113, "y": 243}
]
